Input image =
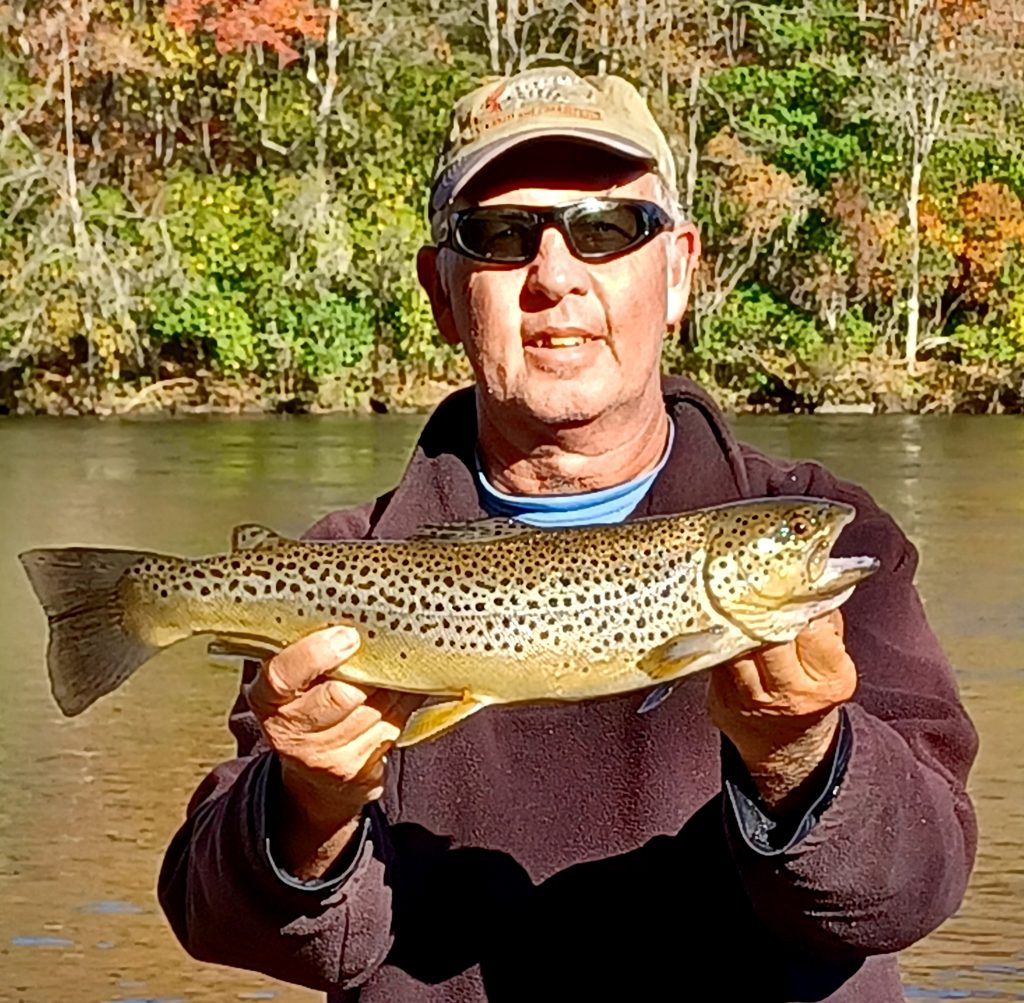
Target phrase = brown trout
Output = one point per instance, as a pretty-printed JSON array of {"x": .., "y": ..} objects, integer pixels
[{"x": 492, "y": 612}]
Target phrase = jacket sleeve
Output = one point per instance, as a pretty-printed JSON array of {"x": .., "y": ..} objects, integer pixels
[
  {"x": 890, "y": 856},
  {"x": 228, "y": 903}
]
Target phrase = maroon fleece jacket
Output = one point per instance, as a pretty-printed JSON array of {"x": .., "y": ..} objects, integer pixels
[{"x": 585, "y": 852}]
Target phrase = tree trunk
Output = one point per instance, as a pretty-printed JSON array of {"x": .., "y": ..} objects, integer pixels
[
  {"x": 693, "y": 127},
  {"x": 493, "y": 36},
  {"x": 79, "y": 234},
  {"x": 323, "y": 113},
  {"x": 914, "y": 296}
]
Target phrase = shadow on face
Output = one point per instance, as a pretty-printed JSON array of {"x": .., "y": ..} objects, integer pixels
[{"x": 552, "y": 164}]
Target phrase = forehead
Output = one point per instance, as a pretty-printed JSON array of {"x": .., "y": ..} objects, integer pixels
[{"x": 552, "y": 171}]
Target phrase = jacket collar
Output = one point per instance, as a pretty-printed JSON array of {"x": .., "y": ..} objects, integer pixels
[{"x": 439, "y": 485}]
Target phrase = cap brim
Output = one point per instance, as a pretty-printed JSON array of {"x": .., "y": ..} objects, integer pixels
[{"x": 463, "y": 171}]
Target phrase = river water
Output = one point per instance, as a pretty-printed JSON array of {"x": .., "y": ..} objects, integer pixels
[{"x": 90, "y": 803}]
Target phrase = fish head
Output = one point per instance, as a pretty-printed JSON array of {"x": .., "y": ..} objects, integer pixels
[{"x": 769, "y": 567}]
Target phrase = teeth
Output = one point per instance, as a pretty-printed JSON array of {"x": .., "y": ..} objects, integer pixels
[{"x": 560, "y": 341}]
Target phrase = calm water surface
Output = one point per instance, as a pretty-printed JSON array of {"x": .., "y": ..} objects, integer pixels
[{"x": 90, "y": 803}]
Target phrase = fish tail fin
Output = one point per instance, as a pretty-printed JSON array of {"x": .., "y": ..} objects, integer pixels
[{"x": 91, "y": 652}]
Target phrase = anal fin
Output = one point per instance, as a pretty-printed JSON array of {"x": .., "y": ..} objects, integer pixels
[
  {"x": 671, "y": 659},
  {"x": 227, "y": 650},
  {"x": 433, "y": 721}
]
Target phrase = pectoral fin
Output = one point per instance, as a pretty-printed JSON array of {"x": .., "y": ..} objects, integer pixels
[
  {"x": 433, "y": 721},
  {"x": 656, "y": 697},
  {"x": 671, "y": 659}
]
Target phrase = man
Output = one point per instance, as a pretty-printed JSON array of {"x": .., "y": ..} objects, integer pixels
[{"x": 775, "y": 830}]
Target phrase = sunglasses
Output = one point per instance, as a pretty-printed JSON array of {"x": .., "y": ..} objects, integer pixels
[{"x": 595, "y": 229}]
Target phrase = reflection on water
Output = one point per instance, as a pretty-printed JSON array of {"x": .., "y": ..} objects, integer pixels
[{"x": 91, "y": 802}]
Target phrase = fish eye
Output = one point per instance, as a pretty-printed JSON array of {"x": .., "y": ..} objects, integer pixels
[{"x": 799, "y": 527}]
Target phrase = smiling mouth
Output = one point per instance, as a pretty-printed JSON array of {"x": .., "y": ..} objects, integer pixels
[{"x": 557, "y": 339}]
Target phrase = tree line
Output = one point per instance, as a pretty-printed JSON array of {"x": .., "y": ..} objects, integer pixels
[{"x": 219, "y": 201}]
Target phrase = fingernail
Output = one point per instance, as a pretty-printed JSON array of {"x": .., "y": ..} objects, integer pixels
[{"x": 343, "y": 639}]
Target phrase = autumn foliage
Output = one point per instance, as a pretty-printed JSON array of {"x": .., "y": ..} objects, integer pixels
[
  {"x": 238, "y": 24},
  {"x": 234, "y": 190}
]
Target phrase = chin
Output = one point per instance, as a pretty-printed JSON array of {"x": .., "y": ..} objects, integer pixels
[{"x": 573, "y": 408}]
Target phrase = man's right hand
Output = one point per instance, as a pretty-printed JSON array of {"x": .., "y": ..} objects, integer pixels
[{"x": 332, "y": 739}]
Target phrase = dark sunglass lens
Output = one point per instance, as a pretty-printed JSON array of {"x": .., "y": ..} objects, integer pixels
[
  {"x": 498, "y": 235},
  {"x": 607, "y": 228}
]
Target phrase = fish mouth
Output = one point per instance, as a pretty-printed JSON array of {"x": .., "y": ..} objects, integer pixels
[
  {"x": 830, "y": 576},
  {"x": 843, "y": 572},
  {"x": 839, "y": 574}
]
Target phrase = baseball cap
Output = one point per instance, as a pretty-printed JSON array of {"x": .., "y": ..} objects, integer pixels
[{"x": 546, "y": 101}]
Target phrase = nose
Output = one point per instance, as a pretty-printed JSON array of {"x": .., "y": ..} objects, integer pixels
[{"x": 556, "y": 272}]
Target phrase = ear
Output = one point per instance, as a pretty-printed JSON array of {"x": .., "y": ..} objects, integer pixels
[
  {"x": 440, "y": 301},
  {"x": 684, "y": 253}
]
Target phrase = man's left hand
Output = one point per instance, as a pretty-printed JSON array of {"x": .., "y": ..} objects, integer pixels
[{"x": 780, "y": 705}]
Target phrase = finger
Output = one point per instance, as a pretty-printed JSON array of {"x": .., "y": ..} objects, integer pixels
[
  {"x": 379, "y": 738},
  {"x": 838, "y": 624},
  {"x": 291, "y": 671},
  {"x": 739, "y": 682},
  {"x": 778, "y": 669},
  {"x": 379, "y": 705},
  {"x": 332, "y": 715},
  {"x": 372, "y": 771},
  {"x": 822, "y": 653},
  {"x": 324, "y": 707}
]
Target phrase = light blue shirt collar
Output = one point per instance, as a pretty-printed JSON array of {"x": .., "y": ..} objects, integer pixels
[{"x": 606, "y": 505}]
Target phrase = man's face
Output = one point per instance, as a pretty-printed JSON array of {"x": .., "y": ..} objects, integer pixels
[{"x": 561, "y": 339}]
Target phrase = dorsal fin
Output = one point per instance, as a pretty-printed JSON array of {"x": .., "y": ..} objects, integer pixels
[
  {"x": 253, "y": 536},
  {"x": 476, "y": 531}
]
